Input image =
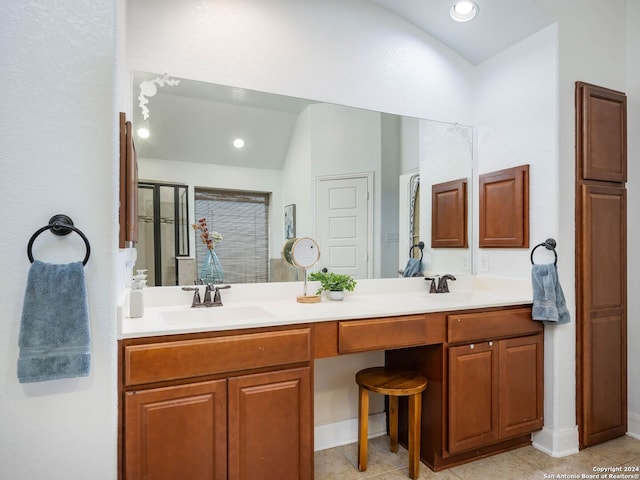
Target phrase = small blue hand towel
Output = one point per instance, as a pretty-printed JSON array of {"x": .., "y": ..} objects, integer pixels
[
  {"x": 549, "y": 304},
  {"x": 413, "y": 268},
  {"x": 54, "y": 332}
]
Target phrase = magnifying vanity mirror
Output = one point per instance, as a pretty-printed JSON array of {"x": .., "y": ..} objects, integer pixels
[{"x": 358, "y": 181}]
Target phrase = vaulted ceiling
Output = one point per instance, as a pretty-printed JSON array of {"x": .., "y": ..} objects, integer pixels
[{"x": 184, "y": 126}]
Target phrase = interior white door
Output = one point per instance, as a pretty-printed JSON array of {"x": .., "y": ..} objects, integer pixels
[{"x": 344, "y": 225}]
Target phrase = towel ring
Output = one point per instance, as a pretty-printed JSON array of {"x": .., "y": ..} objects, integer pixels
[
  {"x": 549, "y": 244},
  {"x": 419, "y": 245},
  {"x": 60, "y": 225}
]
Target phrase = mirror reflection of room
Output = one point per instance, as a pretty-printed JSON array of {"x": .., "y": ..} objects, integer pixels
[{"x": 214, "y": 137}]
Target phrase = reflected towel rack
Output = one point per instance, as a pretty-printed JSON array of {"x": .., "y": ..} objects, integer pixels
[
  {"x": 549, "y": 244},
  {"x": 419, "y": 245},
  {"x": 60, "y": 225}
]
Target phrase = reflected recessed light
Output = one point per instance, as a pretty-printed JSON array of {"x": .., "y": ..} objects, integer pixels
[
  {"x": 463, "y": 11},
  {"x": 143, "y": 132},
  {"x": 238, "y": 143}
]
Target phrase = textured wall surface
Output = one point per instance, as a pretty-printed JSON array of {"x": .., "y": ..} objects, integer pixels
[{"x": 57, "y": 155}]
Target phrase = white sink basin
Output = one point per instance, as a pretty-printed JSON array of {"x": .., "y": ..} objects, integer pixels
[{"x": 222, "y": 314}]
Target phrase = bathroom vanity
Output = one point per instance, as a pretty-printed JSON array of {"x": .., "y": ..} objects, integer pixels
[{"x": 213, "y": 401}]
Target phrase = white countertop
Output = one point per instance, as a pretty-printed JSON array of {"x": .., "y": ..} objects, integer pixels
[{"x": 168, "y": 309}]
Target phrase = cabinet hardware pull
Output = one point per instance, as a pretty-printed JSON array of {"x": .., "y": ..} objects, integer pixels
[
  {"x": 472, "y": 346},
  {"x": 491, "y": 344}
]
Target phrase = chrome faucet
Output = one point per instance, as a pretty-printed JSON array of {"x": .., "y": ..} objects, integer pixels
[
  {"x": 207, "y": 302},
  {"x": 442, "y": 285}
]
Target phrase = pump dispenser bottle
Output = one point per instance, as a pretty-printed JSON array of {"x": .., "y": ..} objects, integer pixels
[{"x": 136, "y": 297}]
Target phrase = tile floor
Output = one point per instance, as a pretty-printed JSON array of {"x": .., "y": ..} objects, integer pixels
[{"x": 525, "y": 463}]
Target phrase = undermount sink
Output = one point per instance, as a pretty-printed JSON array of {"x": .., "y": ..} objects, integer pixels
[{"x": 215, "y": 314}]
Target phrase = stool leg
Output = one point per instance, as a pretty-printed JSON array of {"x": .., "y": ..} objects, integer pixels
[
  {"x": 415, "y": 406},
  {"x": 393, "y": 422},
  {"x": 363, "y": 429}
]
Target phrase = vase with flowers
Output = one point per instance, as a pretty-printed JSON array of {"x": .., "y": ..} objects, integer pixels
[{"x": 211, "y": 268}]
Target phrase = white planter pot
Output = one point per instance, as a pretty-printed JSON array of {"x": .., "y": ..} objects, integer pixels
[{"x": 335, "y": 295}]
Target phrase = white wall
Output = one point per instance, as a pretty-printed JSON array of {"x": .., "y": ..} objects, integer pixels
[
  {"x": 58, "y": 150},
  {"x": 517, "y": 123},
  {"x": 349, "y": 53},
  {"x": 633, "y": 200},
  {"x": 296, "y": 177}
]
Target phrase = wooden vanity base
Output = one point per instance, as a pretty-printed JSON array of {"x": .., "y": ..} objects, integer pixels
[{"x": 230, "y": 390}]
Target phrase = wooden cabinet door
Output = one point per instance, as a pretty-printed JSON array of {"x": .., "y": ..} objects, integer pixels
[
  {"x": 521, "y": 384},
  {"x": 602, "y": 310},
  {"x": 176, "y": 432},
  {"x": 601, "y": 126},
  {"x": 473, "y": 396},
  {"x": 270, "y": 426}
]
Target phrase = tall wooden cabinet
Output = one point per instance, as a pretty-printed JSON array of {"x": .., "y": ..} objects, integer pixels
[{"x": 601, "y": 263}]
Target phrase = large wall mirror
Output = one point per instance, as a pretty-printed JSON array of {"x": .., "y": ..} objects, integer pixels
[{"x": 345, "y": 176}]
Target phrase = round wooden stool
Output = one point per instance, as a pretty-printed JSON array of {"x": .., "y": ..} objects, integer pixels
[{"x": 394, "y": 383}]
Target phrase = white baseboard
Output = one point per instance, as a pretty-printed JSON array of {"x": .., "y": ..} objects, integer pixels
[
  {"x": 557, "y": 443},
  {"x": 633, "y": 427},
  {"x": 346, "y": 432}
]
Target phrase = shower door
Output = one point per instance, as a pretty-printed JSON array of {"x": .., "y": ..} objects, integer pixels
[{"x": 162, "y": 231}]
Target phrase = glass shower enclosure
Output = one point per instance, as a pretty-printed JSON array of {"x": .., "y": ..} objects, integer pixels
[{"x": 163, "y": 231}]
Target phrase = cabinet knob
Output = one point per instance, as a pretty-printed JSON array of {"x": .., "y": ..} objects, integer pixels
[
  {"x": 491, "y": 344},
  {"x": 472, "y": 346}
]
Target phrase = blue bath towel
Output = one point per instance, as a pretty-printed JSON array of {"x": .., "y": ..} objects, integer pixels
[
  {"x": 54, "y": 332},
  {"x": 549, "y": 304},
  {"x": 413, "y": 268}
]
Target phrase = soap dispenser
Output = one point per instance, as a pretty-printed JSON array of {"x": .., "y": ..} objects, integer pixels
[{"x": 136, "y": 297}]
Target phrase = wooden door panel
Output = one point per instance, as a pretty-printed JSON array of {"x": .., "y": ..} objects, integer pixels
[
  {"x": 473, "y": 396},
  {"x": 601, "y": 125},
  {"x": 605, "y": 400},
  {"x": 504, "y": 208},
  {"x": 270, "y": 426},
  {"x": 176, "y": 432},
  {"x": 604, "y": 231},
  {"x": 521, "y": 384}
]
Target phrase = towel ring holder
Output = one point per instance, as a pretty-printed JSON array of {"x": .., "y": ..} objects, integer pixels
[
  {"x": 549, "y": 244},
  {"x": 60, "y": 225},
  {"x": 419, "y": 245}
]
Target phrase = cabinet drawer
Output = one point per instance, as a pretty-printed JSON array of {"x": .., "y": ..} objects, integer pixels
[
  {"x": 164, "y": 361},
  {"x": 381, "y": 334},
  {"x": 473, "y": 327}
]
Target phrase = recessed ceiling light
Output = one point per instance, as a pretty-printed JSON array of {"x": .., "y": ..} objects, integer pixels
[
  {"x": 238, "y": 143},
  {"x": 143, "y": 132},
  {"x": 463, "y": 11}
]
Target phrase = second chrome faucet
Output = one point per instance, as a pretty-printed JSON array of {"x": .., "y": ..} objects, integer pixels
[{"x": 441, "y": 286}]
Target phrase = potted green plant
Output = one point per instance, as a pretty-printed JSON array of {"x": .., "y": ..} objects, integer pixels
[{"x": 334, "y": 284}]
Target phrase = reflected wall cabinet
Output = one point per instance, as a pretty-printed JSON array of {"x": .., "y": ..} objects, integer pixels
[
  {"x": 449, "y": 214},
  {"x": 128, "y": 211}
]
